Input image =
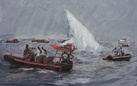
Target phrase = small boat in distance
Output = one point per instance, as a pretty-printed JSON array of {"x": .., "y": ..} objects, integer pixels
[
  {"x": 125, "y": 57},
  {"x": 40, "y": 40},
  {"x": 118, "y": 54},
  {"x": 12, "y": 41}
]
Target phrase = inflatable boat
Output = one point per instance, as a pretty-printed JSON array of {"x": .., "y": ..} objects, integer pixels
[
  {"x": 17, "y": 62},
  {"x": 63, "y": 64},
  {"x": 125, "y": 57}
]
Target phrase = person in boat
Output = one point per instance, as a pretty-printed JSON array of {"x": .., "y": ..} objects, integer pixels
[
  {"x": 44, "y": 51},
  {"x": 29, "y": 54},
  {"x": 39, "y": 51},
  {"x": 43, "y": 54},
  {"x": 118, "y": 51},
  {"x": 38, "y": 57},
  {"x": 33, "y": 54},
  {"x": 27, "y": 50},
  {"x": 115, "y": 50}
]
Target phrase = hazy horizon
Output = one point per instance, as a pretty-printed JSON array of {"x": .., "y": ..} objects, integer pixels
[{"x": 107, "y": 20}]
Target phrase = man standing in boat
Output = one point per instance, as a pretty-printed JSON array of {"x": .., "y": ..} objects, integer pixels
[{"x": 27, "y": 50}]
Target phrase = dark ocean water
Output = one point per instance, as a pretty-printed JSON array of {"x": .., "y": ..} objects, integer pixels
[{"x": 88, "y": 70}]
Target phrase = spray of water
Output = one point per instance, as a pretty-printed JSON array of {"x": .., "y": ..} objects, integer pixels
[{"x": 79, "y": 34}]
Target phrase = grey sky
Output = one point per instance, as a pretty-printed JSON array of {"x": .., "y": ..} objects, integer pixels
[{"x": 105, "y": 19}]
